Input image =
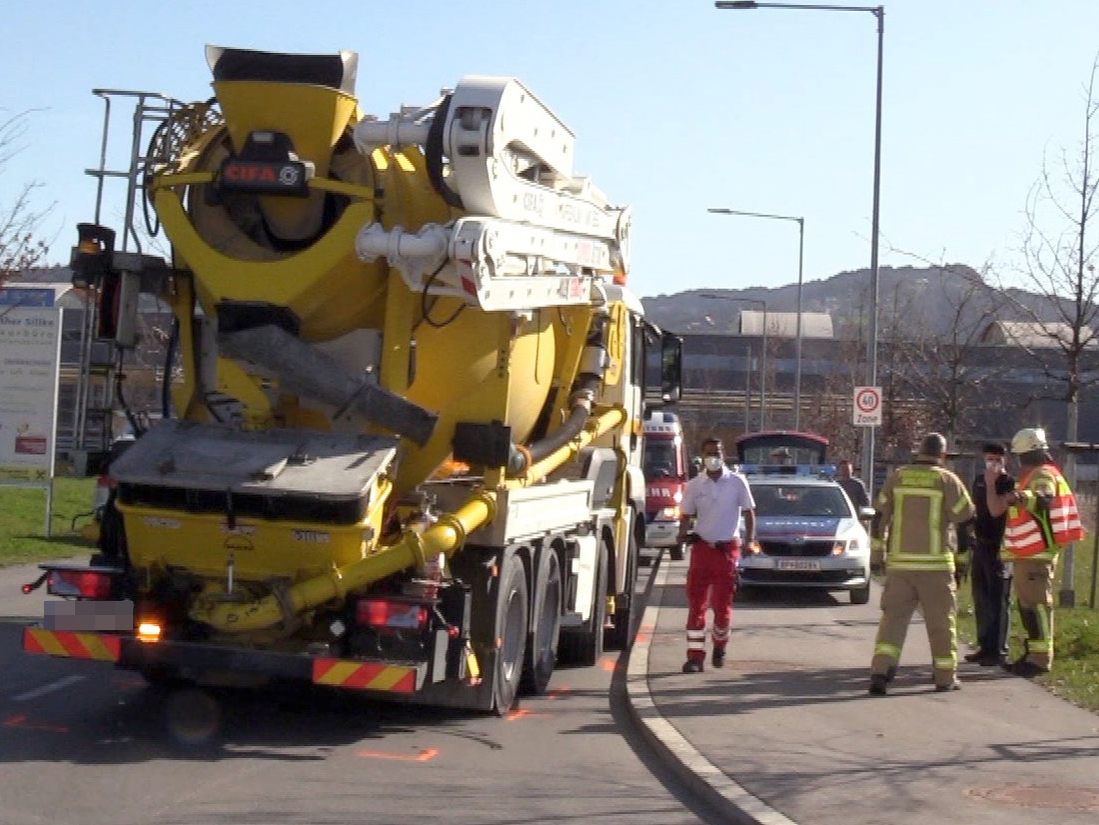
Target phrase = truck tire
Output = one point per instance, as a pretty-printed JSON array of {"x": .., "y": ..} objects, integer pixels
[
  {"x": 585, "y": 646},
  {"x": 545, "y": 625},
  {"x": 511, "y": 629},
  {"x": 618, "y": 637}
]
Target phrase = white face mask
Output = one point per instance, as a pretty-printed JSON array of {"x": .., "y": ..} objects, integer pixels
[
  {"x": 712, "y": 462},
  {"x": 991, "y": 464}
]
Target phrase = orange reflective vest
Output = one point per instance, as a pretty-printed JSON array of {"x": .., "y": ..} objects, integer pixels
[{"x": 1030, "y": 533}]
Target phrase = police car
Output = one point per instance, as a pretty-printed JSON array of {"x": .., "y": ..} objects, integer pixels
[{"x": 809, "y": 532}]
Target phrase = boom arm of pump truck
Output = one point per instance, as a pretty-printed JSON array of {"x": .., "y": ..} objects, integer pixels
[{"x": 538, "y": 235}]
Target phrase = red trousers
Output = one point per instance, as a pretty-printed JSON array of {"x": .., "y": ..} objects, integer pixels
[{"x": 711, "y": 582}]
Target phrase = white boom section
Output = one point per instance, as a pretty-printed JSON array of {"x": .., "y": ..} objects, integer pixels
[{"x": 535, "y": 235}]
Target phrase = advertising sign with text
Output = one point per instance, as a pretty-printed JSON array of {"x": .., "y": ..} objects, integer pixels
[{"x": 30, "y": 343}]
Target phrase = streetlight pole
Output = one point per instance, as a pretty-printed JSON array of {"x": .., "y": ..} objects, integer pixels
[
  {"x": 762, "y": 358},
  {"x": 797, "y": 334},
  {"x": 872, "y": 338}
]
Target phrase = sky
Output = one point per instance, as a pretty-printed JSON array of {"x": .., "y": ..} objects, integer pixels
[{"x": 677, "y": 107}]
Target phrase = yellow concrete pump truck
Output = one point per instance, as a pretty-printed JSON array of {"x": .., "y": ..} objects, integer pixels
[{"x": 400, "y": 443}]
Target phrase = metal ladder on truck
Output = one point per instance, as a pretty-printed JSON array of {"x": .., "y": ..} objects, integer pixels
[{"x": 98, "y": 387}]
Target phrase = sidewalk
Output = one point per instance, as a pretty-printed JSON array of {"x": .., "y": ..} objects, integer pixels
[{"x": 785, "y": 732}]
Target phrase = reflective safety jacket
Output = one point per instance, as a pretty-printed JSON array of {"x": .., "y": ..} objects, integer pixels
[
  {"x": 1035, "y": 531},
  {"x": 916, "y": 506}
]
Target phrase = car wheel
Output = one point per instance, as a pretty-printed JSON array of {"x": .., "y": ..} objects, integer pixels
[{"x": 861, "y": 595}]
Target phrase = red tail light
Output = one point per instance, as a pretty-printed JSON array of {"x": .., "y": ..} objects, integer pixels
[
  {"x": 85, "y": 584},
  {"x": 383, "y": 613}
]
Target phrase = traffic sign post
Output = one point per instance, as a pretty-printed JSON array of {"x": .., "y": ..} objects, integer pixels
[{"x": 866, "y": 407}]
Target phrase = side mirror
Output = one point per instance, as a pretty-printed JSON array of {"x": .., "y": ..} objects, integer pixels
[
  {"x": 867, "y": 513},
  {"x": 671, "y": 367}
]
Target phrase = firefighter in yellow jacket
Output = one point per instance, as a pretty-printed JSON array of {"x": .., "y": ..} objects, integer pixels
[
  {"x": 1042, "y": 518},
  {"x": 915, "y": 509}
]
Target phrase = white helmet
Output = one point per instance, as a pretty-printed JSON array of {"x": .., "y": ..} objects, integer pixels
[{"x": 1029, "y": 439}]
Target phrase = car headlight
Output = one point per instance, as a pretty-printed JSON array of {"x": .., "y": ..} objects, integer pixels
[
  {"x": 842, "y": 546},
  {"x": 668, "y": 514}
]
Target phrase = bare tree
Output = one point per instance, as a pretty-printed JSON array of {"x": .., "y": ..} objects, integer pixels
[
  {"x": 20, "y": 245},
  {"x": 1059, "y": 257},
  {"x": 1059, "y": 262},
  {"x": 940, "y": 362}
]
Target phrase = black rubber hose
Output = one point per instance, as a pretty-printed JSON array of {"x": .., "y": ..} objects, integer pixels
[
  {"x": 169, "y": 357},
  {"x": 562, "y": 436}
]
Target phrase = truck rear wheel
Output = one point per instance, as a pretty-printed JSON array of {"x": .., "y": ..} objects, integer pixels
[
  {"x": 511, "y": 631},
  {"x": 545, "y": 625}
]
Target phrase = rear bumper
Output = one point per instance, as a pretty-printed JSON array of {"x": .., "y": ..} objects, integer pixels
[{"x": 195, "y": 658}]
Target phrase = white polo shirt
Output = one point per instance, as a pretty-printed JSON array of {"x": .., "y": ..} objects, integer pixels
[{"x": 716, "y": 505}]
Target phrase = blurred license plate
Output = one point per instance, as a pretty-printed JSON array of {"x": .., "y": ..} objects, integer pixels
[{"x": 798, "y": 564}]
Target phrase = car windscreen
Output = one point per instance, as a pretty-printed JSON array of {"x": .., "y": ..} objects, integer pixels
[
  {"x": 800, "y": 500},
  {"x": 659, "y": 459}
]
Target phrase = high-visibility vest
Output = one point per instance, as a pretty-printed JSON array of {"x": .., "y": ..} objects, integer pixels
[
  {"x": 933, "y": 493},
  {"x": 1038, "y": 534}
]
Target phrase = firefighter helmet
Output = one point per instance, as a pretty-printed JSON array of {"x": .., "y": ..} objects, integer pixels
[{"x": 1028, "y": 440}]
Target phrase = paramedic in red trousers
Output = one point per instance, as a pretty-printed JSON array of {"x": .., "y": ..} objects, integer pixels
[
  {"x": 715, "y": 499},
  {"x": 1042, "y": 518}
]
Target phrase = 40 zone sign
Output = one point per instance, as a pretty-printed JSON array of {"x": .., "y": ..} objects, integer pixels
[{"x": 867, "y": 407}]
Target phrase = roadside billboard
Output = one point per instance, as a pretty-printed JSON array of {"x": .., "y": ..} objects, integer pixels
[{"x": 30, "y": 350}]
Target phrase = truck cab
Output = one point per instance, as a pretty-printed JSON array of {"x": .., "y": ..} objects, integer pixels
[{"x": 664, "y": 462}]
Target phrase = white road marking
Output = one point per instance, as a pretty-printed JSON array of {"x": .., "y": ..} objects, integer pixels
[{"x": 60, "y": 684}]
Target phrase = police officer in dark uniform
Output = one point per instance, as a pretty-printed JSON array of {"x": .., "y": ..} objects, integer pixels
[{"x": 991, "y": 576}]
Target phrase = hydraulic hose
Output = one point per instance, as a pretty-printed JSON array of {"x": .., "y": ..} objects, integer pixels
[
  {"x": 564, "y": 434},
  {"x": 605, "y": 421},
  {"x": 592, "y": 368}
]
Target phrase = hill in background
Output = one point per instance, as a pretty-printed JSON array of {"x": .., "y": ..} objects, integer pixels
[{"x": 912, "y": 301}]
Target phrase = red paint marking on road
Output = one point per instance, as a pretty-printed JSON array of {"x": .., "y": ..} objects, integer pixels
[
  {"x": 19, "y": 720},
  {"x": 422, "y": 756},
  {"x": 522, "y": 713}
]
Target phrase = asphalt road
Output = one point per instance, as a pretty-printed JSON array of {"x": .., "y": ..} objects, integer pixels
[{"x": 83, "y": 743}]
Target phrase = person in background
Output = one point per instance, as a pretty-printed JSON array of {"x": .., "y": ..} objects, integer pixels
[
  {"x": 910, "y": 538},
  {"x": 991, "y": 575},
  {"x": 781, "y": 457},
  {"x": 718, "y": 501},
  {"x": 852, "y": 485},
  {"x": 1042, "y": 517}
]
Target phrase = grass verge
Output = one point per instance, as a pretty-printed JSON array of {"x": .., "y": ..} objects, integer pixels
[
  {"x": 23, "y": 515},
  {"x": 1075, "y": 674}
]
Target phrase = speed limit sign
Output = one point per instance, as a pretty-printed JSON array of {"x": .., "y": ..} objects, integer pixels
[{"x": 867, "y": 407}]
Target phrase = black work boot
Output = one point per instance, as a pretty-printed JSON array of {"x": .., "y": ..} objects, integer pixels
[
  {"x": 878, "y": 683},
  {"x": 718, "y": 658},
  {"x": 693, "y": 666}
]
